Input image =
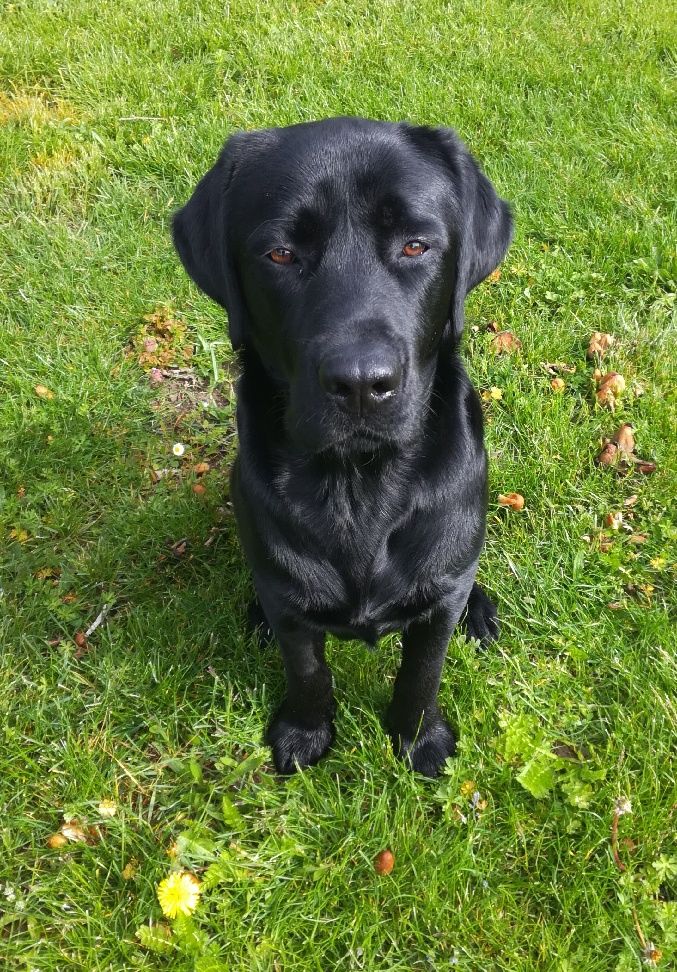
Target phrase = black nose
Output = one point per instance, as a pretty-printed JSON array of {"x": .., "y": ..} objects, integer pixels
[{"x": 361, "y": 382}]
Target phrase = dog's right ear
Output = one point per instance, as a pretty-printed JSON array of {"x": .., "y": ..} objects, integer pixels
[{"x": 202, "y": 238}]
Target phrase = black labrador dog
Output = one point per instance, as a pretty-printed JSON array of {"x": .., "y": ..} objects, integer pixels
[{"x": 342, "y": 251}]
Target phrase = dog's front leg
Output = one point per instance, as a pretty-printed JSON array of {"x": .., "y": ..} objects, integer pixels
[
  {"x": 302, "y": 730},
  {"x": 420, "y": 735}
]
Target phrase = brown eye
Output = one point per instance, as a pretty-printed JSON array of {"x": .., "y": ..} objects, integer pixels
[
  {"x": 281, "y": 255},
  {"x": 414, "y": 248}
]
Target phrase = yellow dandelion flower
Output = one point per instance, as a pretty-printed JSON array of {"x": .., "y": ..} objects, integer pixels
[{"x": 178, "y": 894}]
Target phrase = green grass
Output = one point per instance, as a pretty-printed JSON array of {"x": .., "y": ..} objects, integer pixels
[{"x": 110, "y": 112}]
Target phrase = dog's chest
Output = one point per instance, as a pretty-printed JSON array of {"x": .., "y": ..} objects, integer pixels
[{"x": 369, "y": 560}]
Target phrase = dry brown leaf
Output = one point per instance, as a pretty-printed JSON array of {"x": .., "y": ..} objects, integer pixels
[
  {"x": 614, "y": 520},
  {"x": 638, "y": 538},
  {"x": 56, "y": 841},
  {"x": 78, "y": 833},
  {"x": 609, "y": 454},
  {"x": 494, "y": 276},
  {"x": 631, "y": 500},
  {"x": 599, "y": 344},
  {"x": 384, "y": 862},
  {"x": 83, "y": 645},
  {"x": 505, "y": 342},
  {"x": 179, "y": 548},
  {"x": 624, "y": 438},
  {"x": 558, "y": 385},
  {"x": 646, "y": 468},
  {"x": 558, "y": 367},
  {"x": 609, "y": 388},
  {"x": 514, "y": 501},
  {"x": 201, "y": 468},
  {"x": 199, "y": 489},
  {"x": 43, "y": 392}
]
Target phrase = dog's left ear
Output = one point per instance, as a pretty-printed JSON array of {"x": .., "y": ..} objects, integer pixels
[{"x": 484, "y": 227}]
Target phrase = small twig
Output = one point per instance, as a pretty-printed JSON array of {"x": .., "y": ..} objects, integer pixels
[
  {"x": 101, "y": 617},
  {"x": 642, "y": 939},
  {"x": 134, "y": 118},
  {"x": 614, "y": 841}
]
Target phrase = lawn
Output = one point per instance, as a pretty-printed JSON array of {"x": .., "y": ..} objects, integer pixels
[{"x": 136, "y": 749}]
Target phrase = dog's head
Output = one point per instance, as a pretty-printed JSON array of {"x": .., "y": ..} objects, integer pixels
[{"x": 342, "y": 251}]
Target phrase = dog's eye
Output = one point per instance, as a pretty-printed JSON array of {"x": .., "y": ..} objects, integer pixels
[
  {"x": 281, "y": 255},
  {"x": 414, "y": 248}
]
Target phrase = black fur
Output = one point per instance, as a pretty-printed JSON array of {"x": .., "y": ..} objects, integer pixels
[{"x": 360, "y": 485}]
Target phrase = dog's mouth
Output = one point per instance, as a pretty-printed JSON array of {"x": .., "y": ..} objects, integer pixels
[{"x": 361, "y": 441}]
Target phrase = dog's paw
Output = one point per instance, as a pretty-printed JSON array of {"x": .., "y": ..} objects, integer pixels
[
  {"x": 296, "y": 746},
  {"x": 429, "y": 750},
  {"x": 481, "y": 618}
]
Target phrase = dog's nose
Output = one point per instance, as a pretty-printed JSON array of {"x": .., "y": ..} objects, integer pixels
[{"x": 363, "y": 382}]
